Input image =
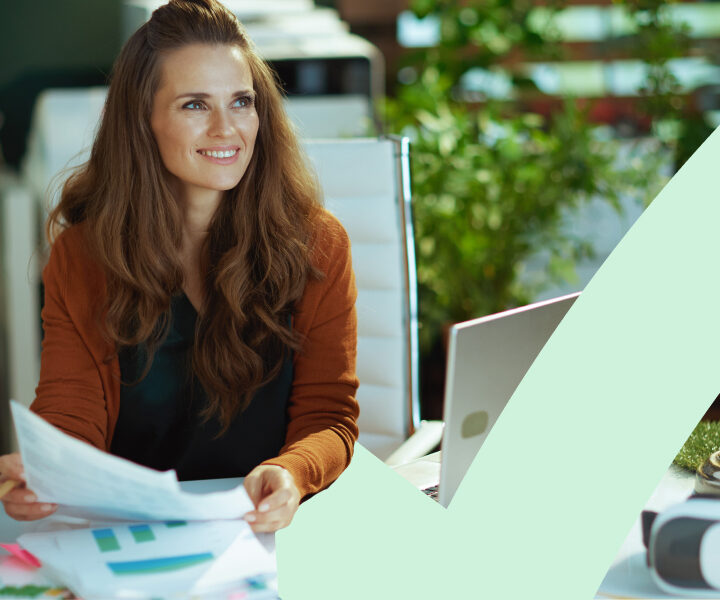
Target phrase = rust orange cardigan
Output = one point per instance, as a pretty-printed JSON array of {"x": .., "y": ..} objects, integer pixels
[{"x": 79, "y": 389}]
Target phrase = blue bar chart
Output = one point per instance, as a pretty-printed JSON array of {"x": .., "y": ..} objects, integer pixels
[{"x": 158, "y": 565}]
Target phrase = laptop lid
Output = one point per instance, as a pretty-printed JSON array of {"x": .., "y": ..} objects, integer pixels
[{"x": 487, "y": 359}]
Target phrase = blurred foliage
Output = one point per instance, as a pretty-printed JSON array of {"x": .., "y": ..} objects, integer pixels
[
  {"x": 656, "y": 40},
  {"x": 492, "y": 181}
]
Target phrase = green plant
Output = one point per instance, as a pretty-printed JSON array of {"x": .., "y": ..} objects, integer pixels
[{"x": 492, "y": 180}]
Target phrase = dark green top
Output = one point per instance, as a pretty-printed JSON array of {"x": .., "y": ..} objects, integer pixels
[{"x": 159, "y": 424}]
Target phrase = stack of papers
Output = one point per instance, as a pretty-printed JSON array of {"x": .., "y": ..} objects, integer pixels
[{"x": 148, "y": 538}]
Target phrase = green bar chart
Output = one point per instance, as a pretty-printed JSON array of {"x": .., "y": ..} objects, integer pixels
[
  {"x": 176, "y": 523},
  {"x": 142, "y": 533},
  {"x": 106, "y": 540}
]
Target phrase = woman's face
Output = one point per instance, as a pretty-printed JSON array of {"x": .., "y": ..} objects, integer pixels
[{"x": 204, "y": 118}]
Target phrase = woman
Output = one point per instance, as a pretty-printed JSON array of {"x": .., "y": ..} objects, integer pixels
[{"x": 198, "y": 301}]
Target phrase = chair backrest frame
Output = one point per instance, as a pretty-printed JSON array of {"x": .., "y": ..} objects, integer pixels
[
  {"x": 405, "y": 198},
  {"x": 350, "y": 172}
]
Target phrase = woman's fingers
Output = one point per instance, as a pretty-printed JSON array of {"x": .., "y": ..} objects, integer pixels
[
  {"x": 11, "y": 476},
  {"x": 7, "y": 486},
  {"x": 275, "y": 501},
  {"x": 11, "y": 467},
  {"x": 253, "y": 485},
  {"x": 269, "y": 526},
  {"x": 20, "y": 495},
  {"x": 264, "y": 523},
  {"x": 276, "y": 498},
  {"x": 275, "y": 511},
  {"x": 29, "y": 511},
  {"x": 20, "y": 503}
]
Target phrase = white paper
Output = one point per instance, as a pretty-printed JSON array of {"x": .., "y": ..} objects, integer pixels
[
  {"x": 66, "y": 471},
  {"x": 245, "y": 557},
  {"x": 144, "y": 560}
]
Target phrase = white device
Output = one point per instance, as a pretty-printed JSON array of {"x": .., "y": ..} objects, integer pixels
[{"x": 684, "y": 548}]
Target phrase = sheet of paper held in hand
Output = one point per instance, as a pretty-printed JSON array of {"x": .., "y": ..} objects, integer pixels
[{"x": 68, "y": 472}]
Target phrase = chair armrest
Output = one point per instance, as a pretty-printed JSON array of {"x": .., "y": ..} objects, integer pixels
[{"x": 425, "y": 438}]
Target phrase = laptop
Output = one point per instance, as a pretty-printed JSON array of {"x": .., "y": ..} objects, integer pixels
[{"x": 487, "y": 359}]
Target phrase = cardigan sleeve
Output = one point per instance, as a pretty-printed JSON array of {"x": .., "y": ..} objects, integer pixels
[
  {"x": 70, "y": 392},
  {"x": 322, "y": 409}
]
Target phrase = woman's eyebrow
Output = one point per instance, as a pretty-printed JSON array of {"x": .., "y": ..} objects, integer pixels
[{"x": 204, "y": 95}]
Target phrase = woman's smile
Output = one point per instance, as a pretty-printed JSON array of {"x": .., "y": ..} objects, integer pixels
[
  {"x": 220, "y": 156},
  {"x": 219, "y": 153}
]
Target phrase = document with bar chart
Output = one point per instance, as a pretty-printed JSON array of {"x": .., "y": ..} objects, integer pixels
[{"x": 166, "y": 559}]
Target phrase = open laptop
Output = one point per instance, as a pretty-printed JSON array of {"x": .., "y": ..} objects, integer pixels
[{"x": 487, "y": 359}]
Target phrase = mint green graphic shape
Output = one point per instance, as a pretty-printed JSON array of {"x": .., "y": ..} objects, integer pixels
[{"x": 579, "y": 449}]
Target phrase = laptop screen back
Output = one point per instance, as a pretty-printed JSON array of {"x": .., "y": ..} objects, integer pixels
[{"x": 487, "y": 359}]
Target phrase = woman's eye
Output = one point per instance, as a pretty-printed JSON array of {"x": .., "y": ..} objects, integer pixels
[
  {"x": 243, "y": 102},
  {"x": 194, "y": 105}
]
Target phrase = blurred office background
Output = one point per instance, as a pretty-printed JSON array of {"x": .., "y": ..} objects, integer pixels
[{"x": 540, "y": 132}]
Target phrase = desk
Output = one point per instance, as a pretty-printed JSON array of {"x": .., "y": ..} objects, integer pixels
[
  {"x": 628, "y": 575},
  {"x": 10, "y": 529}
]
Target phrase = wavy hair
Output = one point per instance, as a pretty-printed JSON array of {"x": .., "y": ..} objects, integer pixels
[{"x": 258, "y": 249}]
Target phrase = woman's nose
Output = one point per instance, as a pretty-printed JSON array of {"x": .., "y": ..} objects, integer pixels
[{"x": 220, "y": 124}]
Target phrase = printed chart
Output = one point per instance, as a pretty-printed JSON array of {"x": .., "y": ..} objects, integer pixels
[
  {"x": 154, "y": 558},
  {"x": 107, "y": 541}
]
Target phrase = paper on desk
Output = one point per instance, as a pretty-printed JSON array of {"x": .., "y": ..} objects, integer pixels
[
  {"x": 66, "y": 471},
  {"x": 143, "y": 560}
]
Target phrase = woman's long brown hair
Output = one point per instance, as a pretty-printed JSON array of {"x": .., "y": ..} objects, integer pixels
[{"x": 257, "y": 250}]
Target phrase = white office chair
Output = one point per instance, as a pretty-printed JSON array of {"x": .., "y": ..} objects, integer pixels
[
  {"x": 19, "y": 302},
  {"x": 366, "y": 184}
]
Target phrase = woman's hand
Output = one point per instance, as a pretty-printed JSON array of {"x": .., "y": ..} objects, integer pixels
[
  {"x": 20, "y": 503},
  {"x": 276, "y": 498}
]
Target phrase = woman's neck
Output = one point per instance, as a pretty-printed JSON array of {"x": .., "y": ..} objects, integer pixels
[{"x": 198, "y": 211}]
